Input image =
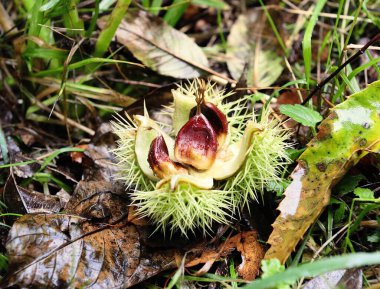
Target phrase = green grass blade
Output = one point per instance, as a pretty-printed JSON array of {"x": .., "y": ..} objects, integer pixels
[
  {"x": 34, "y": 108},
  {"x": 50, "y": 4},
  {"x": 105, "y": 4},
  {"x": 375, "y": 19},
  {"x": 316, "y": 268},
  {"x": 218, "y": 4},
  {"x": 47, "y": 160},
  {"x": 176, "y": 11},
  {"x": 375, "y": 66},
  {"x": 45, "y": 53},
  {"x": 145, "y": 3},
  {"x": 274, "y": 28},
  {"x": 34, "y": 23},
  {"x": 52, "y": 156},
  {"x": 306, "y": 42},
  {"x": 352, "y": 88},
  {"x": 357, "y": 11},
  {"x": 94, "y": 18},
  {"x": 94, "y": 60},
  {"x": 18, "y": 164},
  {"x": 156, "y": 7},
  {"x": 72, "y": 21},
  {"x": 356, "y": 71},
  {"x": 113, "y": 22},
  {"x": 335, "y": 34}
]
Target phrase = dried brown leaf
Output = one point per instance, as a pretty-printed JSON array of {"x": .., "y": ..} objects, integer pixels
[
  {"x": 78, "y": 156},
  {"x": 21, "y": 200},
  {"x": 65, "y": 251},
  {"x": 99, "y": 200},
  {"x": 246, "y": 243},
  {"x": 252, "y": 253}
]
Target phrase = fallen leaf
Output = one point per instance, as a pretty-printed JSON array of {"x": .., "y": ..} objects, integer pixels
[
  {"x": 251, "y": 253},
  {"x": 20, "y": 200},
  {"x": 16, "y": 156},
  {"x": 98, "y": 164},
  {"x": 246, "y": 243},
  {"x": 78, "y": 156},
  {"x": 250, "y": 44},
  {"x": 28, "y": 136},
  {"x": 348, "y": 279},
  {"x": 291, "y": 96},
  {"x": 65, "y": 251},
  {"x": 159, "y": 46},
  {"x": 135, "y": 218},
  {"x": 351, "y": 131},
  {"x": 98, "y": 200}
]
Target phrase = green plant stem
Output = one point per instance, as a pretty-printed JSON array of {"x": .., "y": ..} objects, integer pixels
[
  {"x": 35, "y": 21},
  {"x": 92, "y": 25},
  {"x": 108, "y": 32},
  {"x": 156, "y": 7},
  {"x": 72, "y": 21}
]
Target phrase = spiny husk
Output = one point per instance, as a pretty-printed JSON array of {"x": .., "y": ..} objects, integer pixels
[
  {"x": 129, "y": 170},
  {"x": 265, "y": 162},
  {"x": 185, "y": 208}
]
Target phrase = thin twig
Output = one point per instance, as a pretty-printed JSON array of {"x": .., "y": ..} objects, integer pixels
[
  {"x": 342, "y": 66},
  {"x": 69, "y": 121}
]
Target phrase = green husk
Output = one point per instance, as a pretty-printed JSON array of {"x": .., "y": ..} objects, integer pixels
[
  {"x": 129, "y": 170},
  {"x": 185, "y": 208},
  {"x": 253, "y": 158},
  {"x": 264, "y": 164}
]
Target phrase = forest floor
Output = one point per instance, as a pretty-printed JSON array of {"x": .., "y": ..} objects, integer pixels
[{"x": 72, "y": 204}]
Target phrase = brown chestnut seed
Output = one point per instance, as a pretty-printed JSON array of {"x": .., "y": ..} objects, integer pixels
[
  {"x": 216, "y": 118},
  {"x": 159, "y": 161},
  {"x": 196, "y": 143}
]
